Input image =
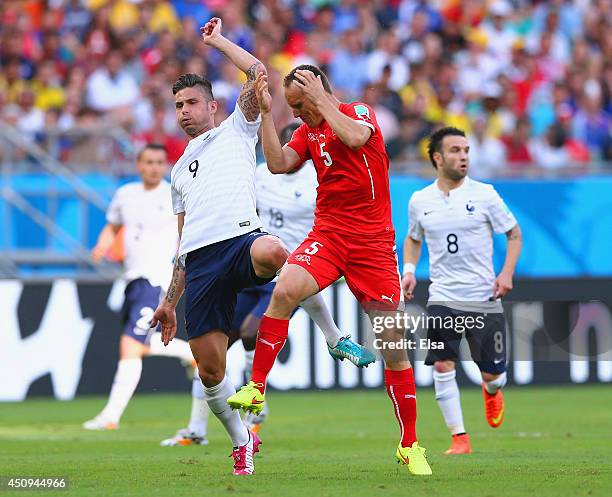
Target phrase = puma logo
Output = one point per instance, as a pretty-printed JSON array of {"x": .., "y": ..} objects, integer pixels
[
  {"x": 385, "y": 297},
  {"x": 272, "y": 345}
]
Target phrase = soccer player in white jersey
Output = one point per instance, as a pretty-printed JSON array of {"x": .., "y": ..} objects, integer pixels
[
  {"x": 222, "y": 248},
  {"x": 144, "y": 209},
  {"x": 457, "y": 217}
]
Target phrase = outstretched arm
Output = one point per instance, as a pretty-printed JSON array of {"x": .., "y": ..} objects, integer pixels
[{"x": 243, "y": 60}]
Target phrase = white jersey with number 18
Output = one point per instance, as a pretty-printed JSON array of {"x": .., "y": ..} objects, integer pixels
[
  {"x": 458, "y": 230},
  {"x": 286, "y": 203},
  {"x": 213, "y": 183}
]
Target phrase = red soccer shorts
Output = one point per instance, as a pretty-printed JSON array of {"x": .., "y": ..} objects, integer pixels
[{"x": 368, "y": 263}]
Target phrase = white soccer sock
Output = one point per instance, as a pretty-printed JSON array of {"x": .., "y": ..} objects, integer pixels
[
  {"x": 496, "y": 384},
  {"x": 217, "y": 401},
  {"x": 124, "y": 384},
  {"x": 318, "y": 311},
  {"x": 176, "y": 348},
  {"x": 249, "y": 355},
  {"x": 198, "y": 422},
  {"x": 447, "y": 395}
]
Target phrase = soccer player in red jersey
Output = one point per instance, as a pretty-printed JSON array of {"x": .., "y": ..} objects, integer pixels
[{"x": 352, "y": 236}]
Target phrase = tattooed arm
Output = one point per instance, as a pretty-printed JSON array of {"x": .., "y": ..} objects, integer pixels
[
  {"x": 243, "y": 60},
  {"x": 165, "y": 314}
]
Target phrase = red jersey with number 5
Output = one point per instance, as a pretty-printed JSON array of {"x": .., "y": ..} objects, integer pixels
[{"x": 353, "y": 193}]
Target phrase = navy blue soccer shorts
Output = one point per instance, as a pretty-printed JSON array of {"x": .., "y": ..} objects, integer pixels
[
  {"x": 214, "y": 275},
  {"x": 486, "y": 338},
  {"x": 141, "y": 300}
]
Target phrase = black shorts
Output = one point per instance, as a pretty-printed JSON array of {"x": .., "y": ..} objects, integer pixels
[
  {"x": 214, "y": 275},
  {"x": 485, "y": 333}
]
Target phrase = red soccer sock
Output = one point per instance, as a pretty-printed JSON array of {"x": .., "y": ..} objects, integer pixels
[
  {"x": 402, "y": 392},
  {"x": 270, "y": 340}
]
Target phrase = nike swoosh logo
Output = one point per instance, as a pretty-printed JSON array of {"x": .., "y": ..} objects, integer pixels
[
  {"x": 498, "y": 418},
  {"x": 427, "y": 212},
  {"x": 256, "y": 402}
]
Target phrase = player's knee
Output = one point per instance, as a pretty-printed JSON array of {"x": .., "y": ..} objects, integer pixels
[
  {"x": 286, "y": 297},
  {"x": 277, "y": 254},
  {"x": 210, "y": 374},
  {"x": 444, "y": 366}
]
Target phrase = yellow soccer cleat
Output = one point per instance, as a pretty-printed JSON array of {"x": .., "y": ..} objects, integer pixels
[
  {"x": 248, "y": 398},
  {"x": 414, "y": 458}
]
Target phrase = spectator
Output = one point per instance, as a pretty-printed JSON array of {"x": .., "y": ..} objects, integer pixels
[
  {"x": 517, "y": 144},
  {"x": 11, "y": 82},
  {"x": 387, "y": 54},
  {"x": 592, "y": 125},
  {"x": 348, "y": 67},
  {"x": 31, "y": 120},
  {"x": 550, "y": 151},
  {"x": 500, "y": 35},
  {"x": 47, "y": 88},
  {"x": 487, "y": 154},
  {"x": 110, "y": 88}
]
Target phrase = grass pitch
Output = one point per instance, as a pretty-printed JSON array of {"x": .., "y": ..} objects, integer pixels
[{"x": 554, "y": 442}]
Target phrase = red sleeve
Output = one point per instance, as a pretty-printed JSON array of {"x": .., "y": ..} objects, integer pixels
[
  {"x": 299, "y": 143},
  {"x": 362, "y": 113}
]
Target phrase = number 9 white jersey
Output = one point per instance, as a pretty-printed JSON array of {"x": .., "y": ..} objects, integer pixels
[
  {"x": 286, "y": 202},
  {"x": 213, "y": 183},
  {"x": 458, "y": 230}
]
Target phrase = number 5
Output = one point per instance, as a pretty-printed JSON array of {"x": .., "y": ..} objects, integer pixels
[
  {"x": 314, "y": 248},
  {"x": 327, "y": 160}
]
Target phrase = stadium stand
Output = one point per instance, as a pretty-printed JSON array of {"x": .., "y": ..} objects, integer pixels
[{"x": 84, "y": 83}]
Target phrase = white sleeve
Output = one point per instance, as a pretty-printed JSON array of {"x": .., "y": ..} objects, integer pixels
[
  {"x": 415, "y": 230},
  {"x": 113, "y": 213},
  {"x": 177, "y": 201},
  {"x": 500, "y": 217},
  {"x": 241, "y": 124}
]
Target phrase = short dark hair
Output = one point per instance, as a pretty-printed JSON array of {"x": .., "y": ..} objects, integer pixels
[
  {"x": 290, "y": 78},
  {"x": 437, "y": 137},
  {"x": 287, "y": 132},
  {"x": 151, "y": 146},
  {"x": 189, "y": 81}
]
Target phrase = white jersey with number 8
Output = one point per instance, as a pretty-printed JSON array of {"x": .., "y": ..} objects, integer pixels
[{"x": 458, "y": 230}]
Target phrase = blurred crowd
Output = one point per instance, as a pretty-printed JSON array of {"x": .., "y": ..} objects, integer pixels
[{"x": 531, "y": 82}]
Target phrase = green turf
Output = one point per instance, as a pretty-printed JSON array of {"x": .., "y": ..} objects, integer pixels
[{"x": 554, "y": 442}]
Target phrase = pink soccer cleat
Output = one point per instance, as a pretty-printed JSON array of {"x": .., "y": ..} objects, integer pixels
[{"x": 243, "y": 455}]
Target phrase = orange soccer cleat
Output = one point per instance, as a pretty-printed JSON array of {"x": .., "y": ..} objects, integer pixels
[
  {"x": 460, "y": 444},
  {"x": 494, "y": 407}
]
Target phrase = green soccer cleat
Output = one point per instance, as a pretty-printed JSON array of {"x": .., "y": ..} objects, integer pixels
[
  {"x": 248, "y": 398},
  {"x": 347, "y": 349},
  {"x": 414, "y": 458}
]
